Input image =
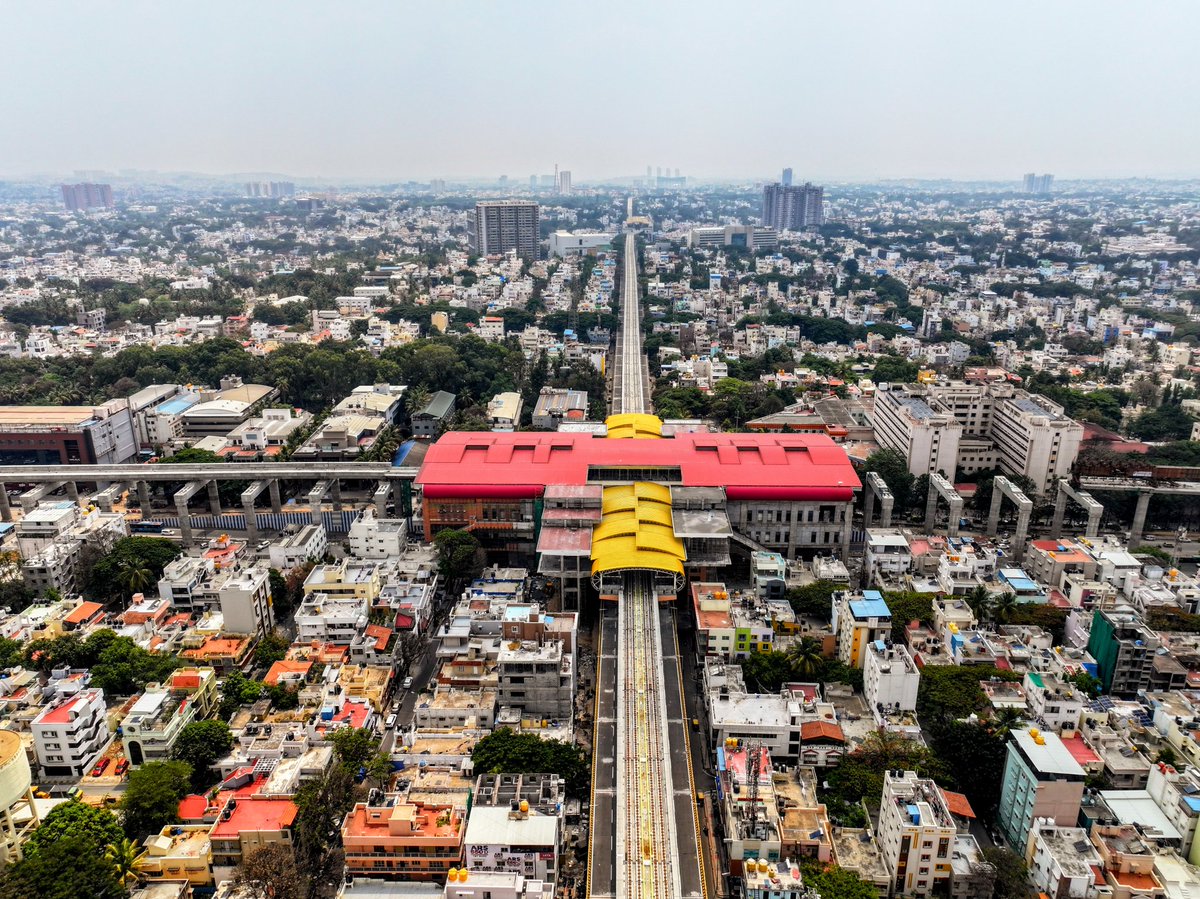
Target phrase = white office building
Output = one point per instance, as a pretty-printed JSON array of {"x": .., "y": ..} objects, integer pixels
[{"x": 69, "y": 735}]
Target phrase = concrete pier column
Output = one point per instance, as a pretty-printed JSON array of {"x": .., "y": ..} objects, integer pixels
[
  {"x": 185, "y": 519},
  {"x": 5, "y": 506},
  {"x": 931, "y": 509},
  {"x": 886, "y": 502},
  {"x": 1023, "y": 515},
  {"x": 276, "y": 501},
  {"x": 143, "y": 492},
  {"x": 380, "y": 497},
  {"x": 868, "y": 503},
  {"x": 251, "y": 520},
  {"x": 72, "y": 491},
  {"x": 1095, "y": 513},
  {"x": 214, "y": 497},
  {"x": 847, "y": 530},
  {"x": 1139, "y": 519},
  {"x": 994, "y": 512},
  {"x": 1060, "y": 510}
]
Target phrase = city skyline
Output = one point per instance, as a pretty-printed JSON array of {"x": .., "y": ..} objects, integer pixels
[{"x": 924, "y": 91}]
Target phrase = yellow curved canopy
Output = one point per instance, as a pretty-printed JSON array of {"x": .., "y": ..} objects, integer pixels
[
  {"x": 636, "y": 530},
  {"x": 634, "y": 425}
]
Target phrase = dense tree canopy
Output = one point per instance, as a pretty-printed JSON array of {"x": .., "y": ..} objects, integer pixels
[
  {"x": 507, "y": 752},
  {"x": 151, "y": 798}
]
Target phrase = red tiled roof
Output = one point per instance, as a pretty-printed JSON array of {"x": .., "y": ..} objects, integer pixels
[
  {"x": 958, "y": 804},
  {"x": 821, "y": 732},
  {"x": 83, "y": 612}
]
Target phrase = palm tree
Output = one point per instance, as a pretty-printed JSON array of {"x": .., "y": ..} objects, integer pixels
[
  {"x": 134, "y": 577},
  {"x": 805, "y": 656},
  {"x": 1005, "y": 721},
  {"x": 1003, "y": 606},
  {"x": 980, "y": 601},
  {"x": 124, "y": 856}
]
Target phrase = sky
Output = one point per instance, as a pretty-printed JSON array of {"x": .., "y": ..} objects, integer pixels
[{"x": 861, "y": 90}]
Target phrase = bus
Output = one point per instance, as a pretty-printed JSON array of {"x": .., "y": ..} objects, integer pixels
[{"x": 146, "y": 527}]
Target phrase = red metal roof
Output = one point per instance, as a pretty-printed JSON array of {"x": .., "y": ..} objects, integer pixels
[{"x": 748, "y": 466}]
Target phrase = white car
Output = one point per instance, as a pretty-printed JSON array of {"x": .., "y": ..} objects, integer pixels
[{"x": 408, "y": 682}]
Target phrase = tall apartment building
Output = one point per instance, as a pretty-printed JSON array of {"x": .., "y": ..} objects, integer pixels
[
  {"x": 793, "y": 208},
  {"x": 916, "y": 833},
  {"x": 505, "y": 225},
  {"x": 69, "y": 734},
  {"x": 87, "y": 196},
  {"x": 1038, "y": 184},
  {"x": 564, "y": 183},
  {"x": 953, "y": 425},
  {"x": 270, "y": 189},
  {"x": 1126, "y": 651},
  {"x": 787, "y": 177},
  {"x": 1041, "y": 780}
]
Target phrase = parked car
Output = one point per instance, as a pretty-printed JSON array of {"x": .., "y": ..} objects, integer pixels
[
  {"x": 100, "y": 766},
  {"x": 122, "y": 767},
  {"x": 408, "y": 682}
]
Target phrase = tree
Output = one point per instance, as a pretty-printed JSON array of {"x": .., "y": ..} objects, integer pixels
[
  {"x": 457, "y": 554},
  {"x": 75, "y": 819},
  {"x": 814, "y": 599},
  {"x": 151, "y": 799},
  {"x": 833, "y": 881},
  {"x": 980, "y": 601},
  {"x": 767, "y": 671},
  {"x": 124, "y": 668},
  {"x": 202, "y": 744},
  {"x": 123, "y": 855},
  {"x": 134, "y": 576},
  {"x": 71, "y": 868},
  {"x": 891, "y": 465},
  {"x": 151, "y": 553},
  {"x": 507, "y": 752},
  {"x": 953, "y": 691},
  {"x": 321, "y": 804},
  {"x": 357, "y": 749},
  {"x": 908, "y": 606},
  {"x": 1012, "y": 874},
  {"x": 805, "y": 656},
  {"x": 271, "y": 649},
  {"x": 271, "y": 871},
  {"x": 237, "y": 690}
]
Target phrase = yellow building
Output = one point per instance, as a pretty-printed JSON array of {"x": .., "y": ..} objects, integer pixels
[{"x": 178, "y": 852}]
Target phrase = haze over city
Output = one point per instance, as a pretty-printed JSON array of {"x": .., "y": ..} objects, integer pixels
[{"x": 384, "y": 91}]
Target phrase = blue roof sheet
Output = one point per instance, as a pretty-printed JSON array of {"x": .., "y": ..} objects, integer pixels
[{"x": 870, "y": 608}]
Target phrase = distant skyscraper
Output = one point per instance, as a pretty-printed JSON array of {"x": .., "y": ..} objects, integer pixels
[
  {"x": 270, "y": 189},
  {"x": 787, "y": 177},
  {"x": 504, "y": 225},
  {"x": 564, "y": 182},
  {"x": 658, "y": 172},
  {"x": 533, "y": 182},
  {"x": 87, "y": 196},
  {"x": 649, "y": 175},
  {"x": 1038, "y": 184},
  {"x": 788, "y": 208}
]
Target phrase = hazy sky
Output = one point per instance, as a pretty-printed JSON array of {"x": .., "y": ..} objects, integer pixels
[{"x": 391, "y": 90}]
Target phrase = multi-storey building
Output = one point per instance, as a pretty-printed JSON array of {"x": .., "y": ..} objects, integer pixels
[
  {"x": 67, "y": 435},
  {"x": 69, "y": 735},
  {"x": 939, "y": 428},
  {"x": 890, "y": 684},
  {"x": 858, "y": 621},
  {"x": 1063, "y": 862},
  {"x": 1125, "y": 650},
  {"x": 503, "y": 226},
  {"x": 245, "y": 597},
  {"x": 516, "y": 824},
  {"x": 747, "y": 237},
  {"x": 1041, "y": 780},
  {"x": 87, "y": 196},
  {"x": 151, "y": 727},
  {"x": 788, "y": 207},
  {"x": 397, "y": 839},
  {"x": 916, "y": 833}
]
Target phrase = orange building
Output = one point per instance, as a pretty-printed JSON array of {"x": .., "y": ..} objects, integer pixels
[{"x": 400, "y": 840}]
